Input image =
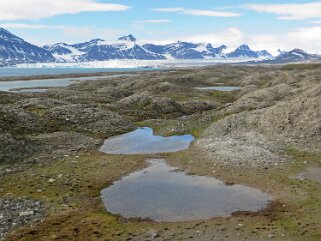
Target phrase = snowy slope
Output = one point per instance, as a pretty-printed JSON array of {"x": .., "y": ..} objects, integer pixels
[{"x": 14, "y": 50}]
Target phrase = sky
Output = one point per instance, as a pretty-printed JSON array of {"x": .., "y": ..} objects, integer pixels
[{"x": 262, "y": 24}]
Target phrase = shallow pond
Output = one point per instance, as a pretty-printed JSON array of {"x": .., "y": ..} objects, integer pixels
[
  {"x": 28, "y": 71},
  {"x": 61, "y": 82},
  {"x": 162, "y": 193},
  {"x": 220, "y": 88},
  {"x": 143, "y": 141}
]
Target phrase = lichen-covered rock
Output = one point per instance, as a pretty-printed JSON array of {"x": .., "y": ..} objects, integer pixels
[
  {"x": 146, "y": 105},
  {"x": 9, "y": 98},
  {"x": 86, "y": 119},
  {"x": 65, "y": 143},
  {"x": 13, "y": 148},
  {"x": 263, "y": 98},
  {"x": 40, "y": 103},
  {"x": 191, "y": 107},
  {"x": 16, "y": 120}
]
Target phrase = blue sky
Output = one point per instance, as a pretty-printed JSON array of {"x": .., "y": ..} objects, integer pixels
[{"x": 262, "y": 24}]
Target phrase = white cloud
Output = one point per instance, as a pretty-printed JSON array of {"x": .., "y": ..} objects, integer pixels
[
  {"x": 153, "y": 21},
  {"x": 78, "y": 32},
  {"x": 23, "y": 26},
  {"x": 86, "y": 33},
  {"x": 289, "y": 11},
  {"x": 169, "y": 10},
  {"x": 68, "y": 34},
  {"x": 30, "y": 26},
  {"x": 110, "y": 33},
  {"x": 37, "y": 9},
  {"x": 316, "y": 22},
  {"x": 308, "y": 39},
  {"x": 231, "y": 37},
  {"x": 198, "y": 12}
]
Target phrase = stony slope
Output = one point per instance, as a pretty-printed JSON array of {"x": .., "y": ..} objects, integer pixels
[{"x": 271, "y": 119}]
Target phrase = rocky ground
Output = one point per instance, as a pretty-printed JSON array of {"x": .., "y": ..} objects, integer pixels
[
  {"x": 266, "y": 135},
  {"x": 18, "y": 212}
]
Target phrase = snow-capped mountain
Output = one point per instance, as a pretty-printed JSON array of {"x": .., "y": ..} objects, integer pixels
[
  {"x": 127, "y": 47},
  {"x": 99, "y": 50},
  {"x": 14, "y": 50},
  {"x": 185, "y": 50},
  {"x": 295, "y": 55},
  {"x": 63, "y": 52},
  {"x": 244, "y": 51},
  {"x": 129, "y": 37}
]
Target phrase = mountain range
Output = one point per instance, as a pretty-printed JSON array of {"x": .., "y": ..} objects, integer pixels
[
  {"x": 15, "y": 50},
  {"x": 127, "y": 47}
]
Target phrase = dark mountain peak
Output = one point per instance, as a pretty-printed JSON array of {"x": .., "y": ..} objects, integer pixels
[
  {"x": 95, "y": 41},
  {"x": 129, "y": 37},
  {"x": 298, "y": 51},
  {"x": 5, "y": 34},
  {"x": 222, "y": 47},
  {"x": 295, "y": 55},
  {"x": 244, "y": 51},
  {"x": 56, "y": 44},
  {"x": 4, "y": 31},
  {"x": 244, "y": 47},
  {"x": 264, "y": 53},
  {"x": 15, "y": 50}
]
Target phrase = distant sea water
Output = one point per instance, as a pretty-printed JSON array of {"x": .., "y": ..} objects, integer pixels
[{"x": 6, "y": 72}]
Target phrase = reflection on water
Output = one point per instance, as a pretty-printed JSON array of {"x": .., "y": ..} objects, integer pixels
[
  {"x": 162, "y": 193},
  {"x": 220, "y": 88},
  {"x": 142, "y": 141}
]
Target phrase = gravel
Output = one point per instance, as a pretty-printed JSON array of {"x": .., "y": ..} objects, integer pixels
[{"x": 18, "y": 212}]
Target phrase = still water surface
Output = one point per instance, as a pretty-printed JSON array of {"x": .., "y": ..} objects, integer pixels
[
  {"x": 162, "y": 193},
  {"x": 143, "y": 141}
]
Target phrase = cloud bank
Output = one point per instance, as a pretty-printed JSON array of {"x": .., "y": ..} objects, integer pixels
[
  {"x": 289, "y": 11},
  {"x": 153, "y": 21},
  {"x": 38, "y": 9},
  {"x": 308, "y": 39},
  {"x": 198, "y": 12}
]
